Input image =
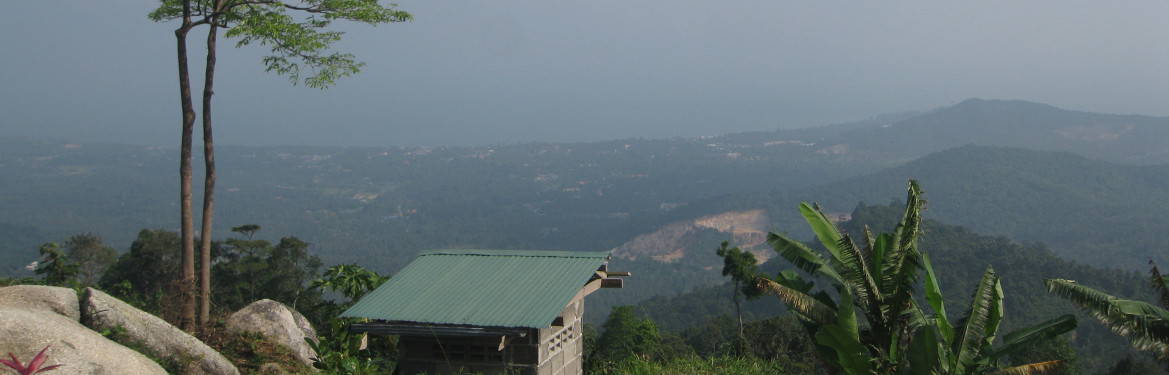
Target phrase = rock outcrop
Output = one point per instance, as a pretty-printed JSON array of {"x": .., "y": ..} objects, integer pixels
[
  {"x": 78, "y": 349},
  {"x": 152, "y": 334},
  {"x": 58, "y": 300},
  {"x": 279, "y": 324}
]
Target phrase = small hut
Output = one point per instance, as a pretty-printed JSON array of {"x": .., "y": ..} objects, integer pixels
[{"x": 487, "y": 311}]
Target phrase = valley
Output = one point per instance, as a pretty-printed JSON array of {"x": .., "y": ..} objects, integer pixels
[{"x": 662, "y": 206}]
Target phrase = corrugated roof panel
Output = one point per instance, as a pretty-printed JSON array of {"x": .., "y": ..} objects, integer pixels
[{"x": 500, "y": 288}]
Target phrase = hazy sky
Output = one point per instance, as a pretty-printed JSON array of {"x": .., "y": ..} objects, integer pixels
[{"x": 477, "y": 71}]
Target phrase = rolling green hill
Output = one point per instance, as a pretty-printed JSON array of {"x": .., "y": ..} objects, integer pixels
[
  {"x": 1090, "y": 211},
  {"x": 1015, "y": 123}
]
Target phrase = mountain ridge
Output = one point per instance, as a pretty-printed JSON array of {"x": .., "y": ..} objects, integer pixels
[{"x": 1066, "y": 200}]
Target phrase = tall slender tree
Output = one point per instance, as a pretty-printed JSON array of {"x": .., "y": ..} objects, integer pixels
[
  {"x": 297, "y": 34},
  {"x": 186, "y": 221},
  {"x": 208, "y": 165}
]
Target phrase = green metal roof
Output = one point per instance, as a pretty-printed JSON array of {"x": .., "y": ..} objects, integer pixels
[{"x": 498, "y": 288}]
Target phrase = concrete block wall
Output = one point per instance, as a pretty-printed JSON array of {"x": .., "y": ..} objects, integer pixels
[{"x": 561, "y": 348}]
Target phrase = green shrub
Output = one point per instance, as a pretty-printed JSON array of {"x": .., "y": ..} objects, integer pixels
[{"x": 694, "y": 366}]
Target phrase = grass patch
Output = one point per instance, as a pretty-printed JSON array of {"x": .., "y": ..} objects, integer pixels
[{"x": 694, "y": 366}]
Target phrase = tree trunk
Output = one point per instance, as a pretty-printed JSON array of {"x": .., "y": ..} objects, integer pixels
[
  {"x": 187, "y": 282},
  {"x": 209, "y": 175},
  {"x": 738, "y": 308}
]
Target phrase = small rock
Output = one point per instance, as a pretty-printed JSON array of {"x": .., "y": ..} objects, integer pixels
[
  {"x": 59, "y": 300},
  {"x": 152, "y": 334},
  {"x": 78, "y": 349},
  {"x": 279, "y": 324}
]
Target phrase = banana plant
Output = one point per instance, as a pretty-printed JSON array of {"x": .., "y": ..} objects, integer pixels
[
  {"x": 940, "y": 348},
  {"x": 876, "y": 279},
  {"x": 1145, "y": 324},
  {"x": 876, "y": 282}
]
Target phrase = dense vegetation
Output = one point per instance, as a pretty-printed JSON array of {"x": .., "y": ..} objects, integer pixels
[
  {"x": 1045, "y": 215},
  {"x": 383, "y": 205},
  {"x": 246, "y": 270},
  {"x": 691, "y": 333},
  {"x": 388, "y": 203},
  {"x": 959, "y": 256}
]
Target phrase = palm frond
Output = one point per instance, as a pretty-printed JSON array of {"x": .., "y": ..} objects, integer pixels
[
  {"x": 900, "y": 284},
  {"x": 851, "y": 354},
  {"x": 825, "y": 230},
  {"x": 914, "y": 318},
  {"x": 872, "y": 254},
  {"x": 909, "y": 227},
  {"x": 1097, "y": 303},
  {"x": 995, "y": 317},
  {"x": 855, "y": 270},
  {"x": 983, "y": 318},
  {"x": 801, "y": 302},
  {"x": 1157, "y": 346},
  {"x": 933, "y": 295},
  {"x": 1021, "y": 338},
  {"x": 900, "y": 263},
  {"x": 1146, "y": 325},
  {"x": 883, "y": 258},
  {"x": 802, "y": 257},
  {"x": 924, "y": 352},
  {"x": 1030, "y": 368}
]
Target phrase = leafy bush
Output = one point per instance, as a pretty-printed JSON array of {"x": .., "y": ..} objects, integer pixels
[{"x": 342, "y": 352}]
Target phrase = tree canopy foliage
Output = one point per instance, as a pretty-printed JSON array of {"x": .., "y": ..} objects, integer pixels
[{"x": 296, "y": 33}]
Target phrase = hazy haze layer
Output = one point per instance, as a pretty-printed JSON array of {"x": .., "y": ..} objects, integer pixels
[{"x": 475, "y": 72}]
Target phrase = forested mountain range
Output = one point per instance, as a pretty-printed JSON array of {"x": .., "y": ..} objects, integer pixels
[
  {"x": 1097, "y": 194},
  {"x": 384, "y": 205},
  {"x": 1092, "y": 211}
]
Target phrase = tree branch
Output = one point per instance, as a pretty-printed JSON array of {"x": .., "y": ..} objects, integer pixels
[{"x": 283, "y": 4}]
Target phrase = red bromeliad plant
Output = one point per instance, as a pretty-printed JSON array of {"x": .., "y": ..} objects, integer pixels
[{"x": 33, "y": 366}]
